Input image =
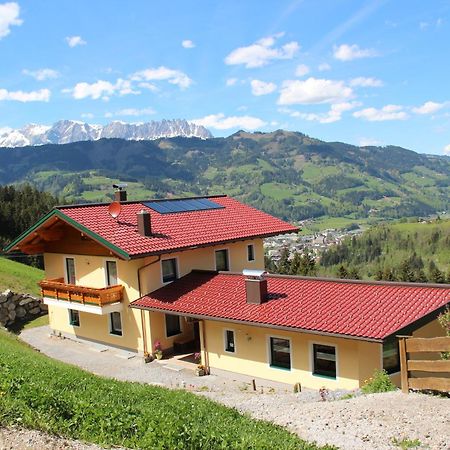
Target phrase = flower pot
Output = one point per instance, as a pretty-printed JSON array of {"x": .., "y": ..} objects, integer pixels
[{"x": 200, "y": 372}]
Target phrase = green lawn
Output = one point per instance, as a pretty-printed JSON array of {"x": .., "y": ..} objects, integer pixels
[
  {"x": 40, "y": 393},
  {"x": 19, "y": 277}
]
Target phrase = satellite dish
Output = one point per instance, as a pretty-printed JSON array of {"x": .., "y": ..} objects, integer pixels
[{"x": 114, "y": 209}]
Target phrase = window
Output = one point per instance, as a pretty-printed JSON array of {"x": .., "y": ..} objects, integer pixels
[
  {"x": 280, "y": 353},
  {"x": 222, "y": 260},
  {"x": 229, "y": 341},
  {"x": 70, "y": 271},
  {"x": 111, "y": 273},
  {"x": 173, "y": 326},
  {"x": 250, "y": 252},
  {"x": 169, "y": 270},
  {"x": 391, "y": 357},
  {"x": 115, "y": 323},
  {"x": 74, "y": 318},
  {"x": 324, "y": 360}
]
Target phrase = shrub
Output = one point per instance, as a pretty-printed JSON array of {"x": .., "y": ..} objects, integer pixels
[{"x": 379, "y": 382}]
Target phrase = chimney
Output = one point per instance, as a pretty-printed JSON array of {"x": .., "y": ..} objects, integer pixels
[
  {"x": 255, "y": 286},
  {"x": 120, "y": 194},
  {"x": 144, "y": 223}
]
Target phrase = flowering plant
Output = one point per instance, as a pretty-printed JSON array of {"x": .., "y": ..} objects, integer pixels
[
  {"x": 157, "y": 346},
  {"x": 197, "y": 358}
]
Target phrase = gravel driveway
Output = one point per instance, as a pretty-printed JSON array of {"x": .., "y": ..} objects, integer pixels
[{"x": 364, "y": 422}]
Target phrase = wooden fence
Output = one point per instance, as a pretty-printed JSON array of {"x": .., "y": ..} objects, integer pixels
[{"x": 420, "y": 345}]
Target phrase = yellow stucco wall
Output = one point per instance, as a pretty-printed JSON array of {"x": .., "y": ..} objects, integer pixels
[
  {"x": 252, "y": 355},
  {"x": 91, "y": 271}
]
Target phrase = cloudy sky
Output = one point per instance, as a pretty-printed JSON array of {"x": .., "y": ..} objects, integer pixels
[{"x": 363, "y": 72}]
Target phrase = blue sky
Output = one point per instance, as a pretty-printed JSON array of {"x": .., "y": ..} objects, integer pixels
[{"x": 362, "y": 72}]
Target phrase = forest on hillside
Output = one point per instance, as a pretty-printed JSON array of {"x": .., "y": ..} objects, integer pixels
[
  {"x": 409, "y": 252},
  {"x": 20, "y": 208}
]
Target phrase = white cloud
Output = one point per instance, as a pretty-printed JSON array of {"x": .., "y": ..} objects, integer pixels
[
  {"x": 429, "y": 107},
  {"x": 366, "y": 82},
  {"x": 131, "y": 112},
  {"x": 369, "y": 142},
  {"x": 74, "y": 41},
  {"x": 221, "y": 122},
  {"x": 334, "y": 114},
  {"x": 173, "y": 76},
  {"x": 324, "y": 67},
  {"x": 262, "y": 52},
  {"x": 423, "y": 25},
  {"x": 388, "y": 112},
  {"x": 187, "y": 43},
  {"x": 262, "y": 88},
  {"x": 313, "y": 91},
  {"x": 147, "y": 85},
  {"x": 9, "y": 16},
  {"x": 231, "y": 81},
  {"x": 447, "y": 149},
  {"x": 42, "y": 95},
  {"x": 101, "y": 89},
  {"x": 41, "y": 74},
  {"x": 87, "y": 115},
  {"x": 347, "y": 52},
  {"x": 301, "y": 70}
]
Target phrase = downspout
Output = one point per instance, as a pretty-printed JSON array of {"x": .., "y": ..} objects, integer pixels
[
  {"x": 144, "y": 332},
  {"x": 205, "y": 351}
]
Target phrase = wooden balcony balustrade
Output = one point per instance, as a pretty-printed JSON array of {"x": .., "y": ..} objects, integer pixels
[{"x": 56, "y": 288}]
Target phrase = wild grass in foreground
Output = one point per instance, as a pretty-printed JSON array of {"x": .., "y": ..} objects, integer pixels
[{"x": 38, "y": 392}]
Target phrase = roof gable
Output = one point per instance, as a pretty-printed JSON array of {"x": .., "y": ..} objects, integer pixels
[{"x": 229, "y": 220}]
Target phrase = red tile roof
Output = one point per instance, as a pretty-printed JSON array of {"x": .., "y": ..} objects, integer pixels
[
  {"x": 359, "y": 309},
  {"x": 235, "y": 221}
]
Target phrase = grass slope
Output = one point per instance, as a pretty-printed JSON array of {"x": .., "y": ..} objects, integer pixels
[
  {"x": 19, "y": 277},
  {"x": 40, "y": 393}
]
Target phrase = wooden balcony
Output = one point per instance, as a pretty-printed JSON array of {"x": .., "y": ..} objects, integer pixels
[{"x": 57, "y": 289}]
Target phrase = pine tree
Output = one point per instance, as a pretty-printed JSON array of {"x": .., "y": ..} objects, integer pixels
[
  {"x": 284, "y": 264},
  {"x": 342, "y": 272}
]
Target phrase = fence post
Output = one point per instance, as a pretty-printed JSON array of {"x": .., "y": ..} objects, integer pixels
[{"x": 403, "y": 364}]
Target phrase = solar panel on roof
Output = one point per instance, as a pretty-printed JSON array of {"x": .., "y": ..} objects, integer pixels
[{"x": 176, "y": 206}]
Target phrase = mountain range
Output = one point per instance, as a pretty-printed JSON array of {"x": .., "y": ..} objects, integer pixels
[
  {"x": 67, "y": 131},
  {"x": 288, "y": 174}
]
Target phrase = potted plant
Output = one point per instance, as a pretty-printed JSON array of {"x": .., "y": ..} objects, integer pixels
[
  {"x": 148, "y": 357},
  {"x": 200, "y": 371},
  {"x": 157, "y": 350}
]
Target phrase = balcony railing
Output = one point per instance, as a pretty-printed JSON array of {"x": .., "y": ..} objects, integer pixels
[{"x": 56, "y": 288}]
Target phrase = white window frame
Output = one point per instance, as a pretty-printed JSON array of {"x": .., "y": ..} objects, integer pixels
[
  {"x": 177, "y": 269},
  {"x": 269, "y": 352},
  {"x": 66, "y": 275},
  {"x": 105, "y": 269},
  {"x": 110, "y": 324},
  {"x": 311, "y": 360},
  {"x": 228, "y": 258},
  {"x": 225, "y": 341},
  {"x": 254, "y": 256},
  {"x": 69, "y": 312},
  {"x": 181, "y": 326}
]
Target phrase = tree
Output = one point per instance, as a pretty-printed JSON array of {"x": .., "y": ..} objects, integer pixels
[
  {"x": 283, "y": 265},
  {"x": 307, "y": 265},
  {"x": 342, "y": 272},
  {"x": 353, "y": 274}
]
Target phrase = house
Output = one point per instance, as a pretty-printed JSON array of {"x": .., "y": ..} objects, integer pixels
[{"x": 189, "y": 273}]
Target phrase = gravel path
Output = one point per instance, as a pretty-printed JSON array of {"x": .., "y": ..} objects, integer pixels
[
  {"x": 364, "y": 422},
  {"x": 20, "y": 439}
]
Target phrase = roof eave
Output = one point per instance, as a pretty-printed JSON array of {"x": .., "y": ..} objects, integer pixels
[
  {"x": 211, "y": 243},
  {"x": 257, "y": 324}
]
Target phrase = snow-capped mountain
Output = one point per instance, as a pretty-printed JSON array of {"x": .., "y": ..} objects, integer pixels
[{"x": 66, "y": 131}]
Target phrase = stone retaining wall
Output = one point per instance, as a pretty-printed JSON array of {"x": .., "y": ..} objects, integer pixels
[{"x": 19, "y": 308}]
